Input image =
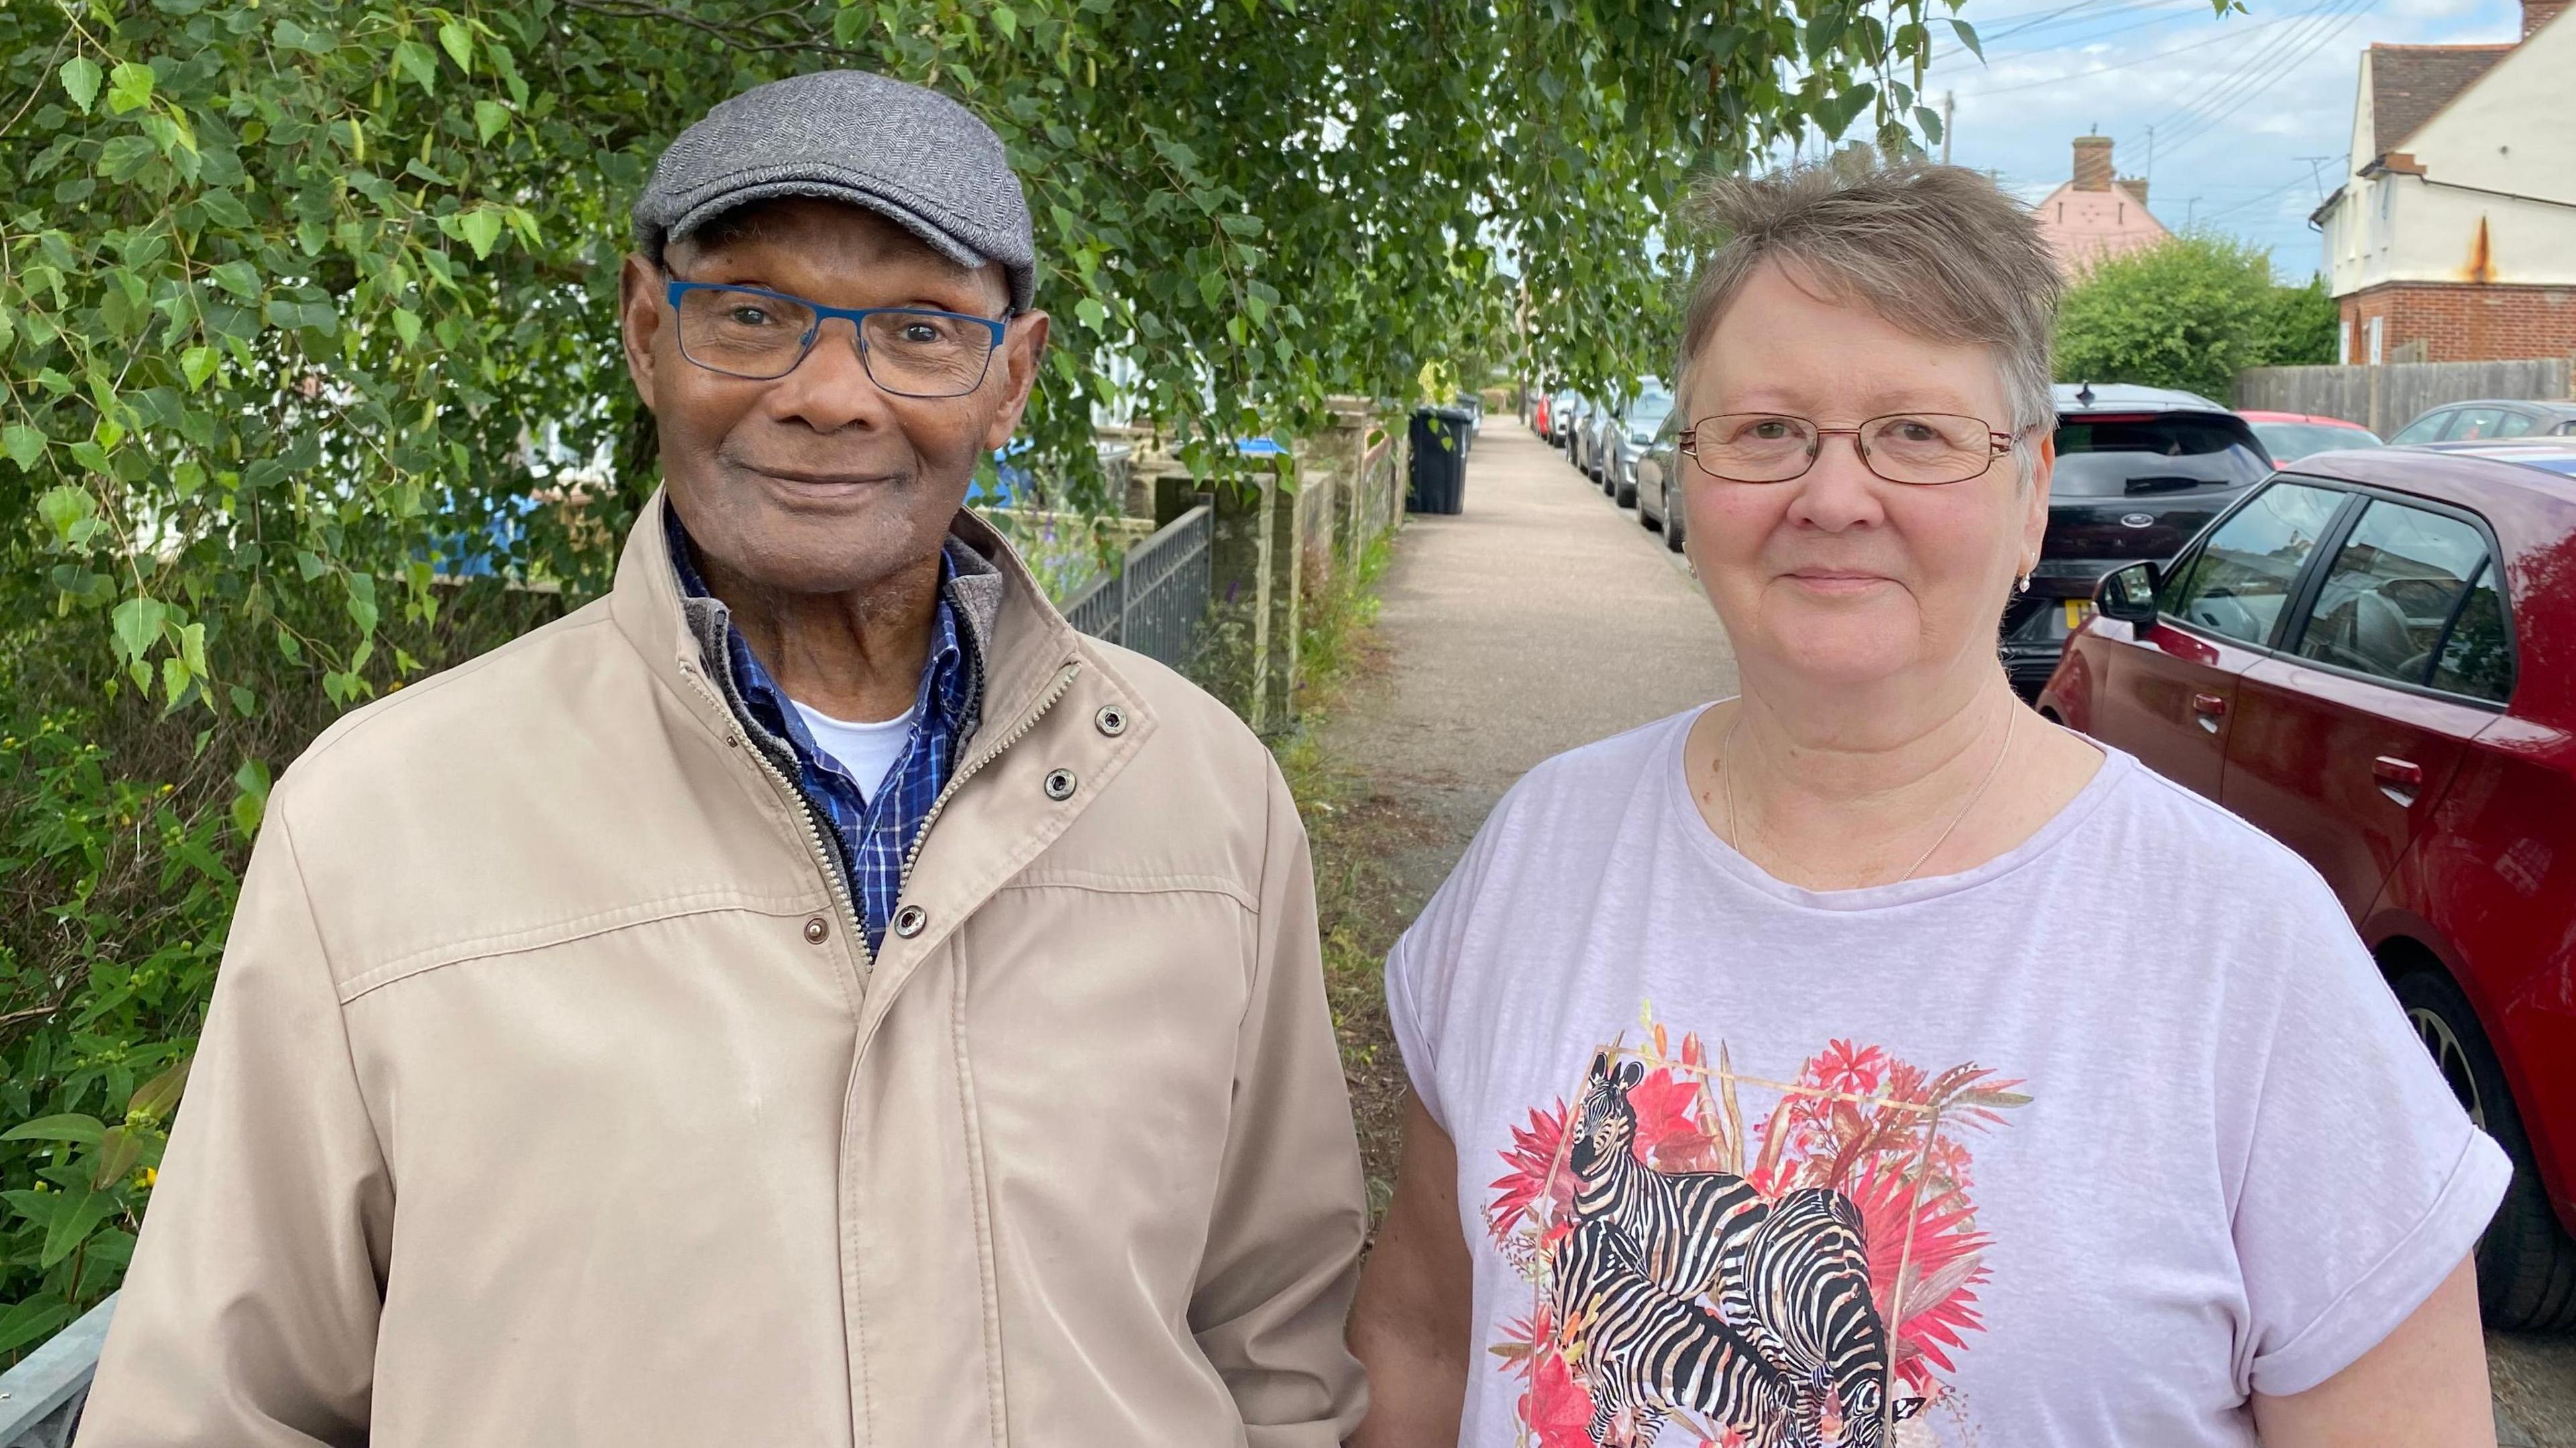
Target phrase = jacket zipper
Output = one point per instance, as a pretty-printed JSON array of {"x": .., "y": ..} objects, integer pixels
[
  {"x": 821, "y": 851},
  {"x": 1063, "y": 681}
]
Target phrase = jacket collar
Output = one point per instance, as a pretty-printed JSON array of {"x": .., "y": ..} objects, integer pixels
[{"x": 1026, "y": 642}]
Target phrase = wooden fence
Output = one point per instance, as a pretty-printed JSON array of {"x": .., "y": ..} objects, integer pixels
[{"x": 2387, "y": 397}]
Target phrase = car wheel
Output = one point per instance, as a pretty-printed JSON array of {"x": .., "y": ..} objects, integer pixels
[
  {"x": 2526, "y": 1261},
  {"x": 1625, "y": 495},
  {"x": 1672, "y": 523}
]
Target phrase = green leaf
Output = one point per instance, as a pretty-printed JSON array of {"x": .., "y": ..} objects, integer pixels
[
  {"x": 32, "y": 1320},
  {"x": 459, "y": 45},
  {"x": 137, "y": 622},
  {"x": 415, "y": 60},
  {"x": 129, "y": 87},
  {"x": 1006, "y": 20},
  {"x": 197, "y": 364},
  {"x": 239, "y": 278},
  {"x": 65, "y": 509},
  {"x": 24, "y": 445},
  {"x": 1967, "y": 36},
  {"x": 1088, "y": 311},
  {"x": 76, "y": 1214},
  {"x": 407, "y": 325},
  {"x": 490, "y": 119},
  {"x": 71, "y": 1126},
  {"x": 480, "y": 227},
  {"x": 80, "y": 78}
]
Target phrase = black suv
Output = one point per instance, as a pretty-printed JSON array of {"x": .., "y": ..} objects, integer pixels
[{"x": 2140, "y": 470}]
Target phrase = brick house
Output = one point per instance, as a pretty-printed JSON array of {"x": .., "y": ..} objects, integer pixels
[
  {"x": 2453, "y": 237},
  {"x": 2096, "y": 214}
]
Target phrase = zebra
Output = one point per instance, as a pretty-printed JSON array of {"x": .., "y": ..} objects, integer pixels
[
  {"x": 1806, "y": 1271},
  {"x": 1689, "y": 1228},
  {"x": 1644, "y": 1354}
]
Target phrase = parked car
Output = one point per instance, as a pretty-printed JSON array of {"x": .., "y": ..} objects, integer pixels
[
  {"x": 2373, "y": 658},
  {"x": 1607, "y": 425},
  {"x": 1628, "y": 442},
  {"x": 1571, "y": 408},
  {"x": 1660, "y": 480},
  {"x": 2289, "y": 436},
  {"x": 2140, "y": 471},
  {"x": 2492, "y": 418},
  {"x": 1538, "y": 414}
]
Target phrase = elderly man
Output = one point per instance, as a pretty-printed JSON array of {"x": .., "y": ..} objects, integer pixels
[{"x": 809, "y": 996}]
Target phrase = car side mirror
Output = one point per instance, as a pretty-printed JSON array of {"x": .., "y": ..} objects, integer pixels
[{"x": 2128, "y": 594}]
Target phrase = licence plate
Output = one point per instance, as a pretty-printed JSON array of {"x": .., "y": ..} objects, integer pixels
[{"x": 2077, "y": 610}]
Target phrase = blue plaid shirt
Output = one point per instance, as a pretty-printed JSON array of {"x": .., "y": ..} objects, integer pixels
[{"x": 874, "y": 834}]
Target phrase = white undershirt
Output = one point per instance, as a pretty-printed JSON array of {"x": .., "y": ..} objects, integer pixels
[{"x": 865, "y": 752}]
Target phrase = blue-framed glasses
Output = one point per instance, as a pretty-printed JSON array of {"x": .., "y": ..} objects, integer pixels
[{"x": 761, "y": 335}]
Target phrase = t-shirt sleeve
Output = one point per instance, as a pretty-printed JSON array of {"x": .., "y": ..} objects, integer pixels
[
  {"x": 1422, "y": 971},
  {"x": 2364, "y": 1184}
]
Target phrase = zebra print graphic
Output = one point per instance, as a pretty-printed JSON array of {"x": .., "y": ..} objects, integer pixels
[
  {"x": 1689, "y": 1228},
  {"x": 1806, "y": 1271},
  {"x": 1646, "y": 1355}
]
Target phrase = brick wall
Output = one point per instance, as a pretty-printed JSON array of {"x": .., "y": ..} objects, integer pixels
[{"x": 2461, "y": 322}]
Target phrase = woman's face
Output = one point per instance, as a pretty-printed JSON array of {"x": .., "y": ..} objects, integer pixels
[{"x": 1841, "y": 576}]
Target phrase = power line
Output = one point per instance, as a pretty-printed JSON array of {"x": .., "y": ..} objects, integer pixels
[
  {"x": 2231, "y": 37},
  {"x": 2252, "y": 64},
  {"x": 2209, "y": 123}
]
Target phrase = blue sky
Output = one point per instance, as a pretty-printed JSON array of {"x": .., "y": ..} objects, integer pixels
[{"x": 2238, "y": 104}]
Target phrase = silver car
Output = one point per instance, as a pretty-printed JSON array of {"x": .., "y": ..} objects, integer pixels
[
  {"x": 1661, "y": 471},
  {"x": 1627, "y": 442}
]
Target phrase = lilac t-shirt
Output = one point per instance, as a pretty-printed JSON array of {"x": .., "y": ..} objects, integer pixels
[{"x": 2083, "y": 1145}]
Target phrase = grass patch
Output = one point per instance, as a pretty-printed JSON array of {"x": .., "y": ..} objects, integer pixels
[{"x": 1361, "y": 904}]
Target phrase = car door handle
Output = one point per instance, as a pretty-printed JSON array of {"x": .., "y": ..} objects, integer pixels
[
  {"x": 2399, "y": 779},
  {"x": 2208, "y": 709}
]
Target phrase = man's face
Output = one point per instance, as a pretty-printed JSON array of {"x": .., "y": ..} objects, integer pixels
[{"x": 821, "y": 481}]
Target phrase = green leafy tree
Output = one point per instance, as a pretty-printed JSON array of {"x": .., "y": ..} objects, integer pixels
[
  {"x": 2191, "y": 312},
  {"x": 306, "y": 310},
  {"x": 2302, "y": 325}
]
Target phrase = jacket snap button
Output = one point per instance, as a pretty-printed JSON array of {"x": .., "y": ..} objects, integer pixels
[
  {"x": 909, "y": 920},
  {"x": 818, "y": 930},
  {"x": 1059, "y": 784},
  {"x": 1111, "y": 719}
]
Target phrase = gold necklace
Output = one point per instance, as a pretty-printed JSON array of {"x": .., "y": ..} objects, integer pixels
[{"x": 1726, "y": 782}]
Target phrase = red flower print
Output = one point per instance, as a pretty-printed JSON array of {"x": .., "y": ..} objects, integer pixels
[
  {"x": 1534, "y": 1154},
  {"x": 1938, "y": 1275},
  {"x": 1843, "y": 1067},
  {"x": 1556, "y": 1408},
  {"x": 1666, "y": 1114}
]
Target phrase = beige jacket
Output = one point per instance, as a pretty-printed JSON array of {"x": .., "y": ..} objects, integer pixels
[{"x": 548, "y": 1097}]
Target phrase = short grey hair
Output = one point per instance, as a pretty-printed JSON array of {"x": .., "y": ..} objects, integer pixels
[{"x": 1939, "y": 251}]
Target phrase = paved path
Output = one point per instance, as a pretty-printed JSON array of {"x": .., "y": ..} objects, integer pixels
[
  {"x": 1543, "y": 618},
  {"x": 1539, "y": 619}
]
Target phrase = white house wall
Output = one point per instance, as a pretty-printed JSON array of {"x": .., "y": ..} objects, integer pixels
[{"x": 2514, "y": 131}]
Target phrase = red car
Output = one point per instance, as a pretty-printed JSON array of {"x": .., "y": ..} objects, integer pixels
[
  {"x": 1538, "y": 415},
  {"x": 2373, "y": 657},
  {"x": 2290, "y": 436}
]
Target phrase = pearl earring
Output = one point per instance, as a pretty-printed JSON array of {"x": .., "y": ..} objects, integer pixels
[{"x": 2022, "y": 584}]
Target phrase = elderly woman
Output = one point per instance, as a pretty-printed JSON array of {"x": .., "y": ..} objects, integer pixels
[{"x": 1865, "y": 1060}]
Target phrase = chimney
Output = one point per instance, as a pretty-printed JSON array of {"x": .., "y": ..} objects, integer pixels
[
  {"x": 2136, "y": 186},
  {"x": 2093, "y": 159},
  {"x": 2537, "y": 13}
]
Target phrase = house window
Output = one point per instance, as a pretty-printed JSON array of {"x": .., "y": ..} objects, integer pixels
[
  {"x": 2343, "y": 343},
  {"x": 2373, "y": 332}
]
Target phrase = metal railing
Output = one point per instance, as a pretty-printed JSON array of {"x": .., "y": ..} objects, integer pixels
[
  {"x": 1157, "y": 598},
  {"x": 41, "y": 1398}
]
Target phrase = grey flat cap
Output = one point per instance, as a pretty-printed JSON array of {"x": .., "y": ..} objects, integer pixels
[{"x": 911, "y": 155}]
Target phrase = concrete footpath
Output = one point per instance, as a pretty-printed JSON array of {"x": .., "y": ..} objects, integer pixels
[{"x": 1540, "y": 619}]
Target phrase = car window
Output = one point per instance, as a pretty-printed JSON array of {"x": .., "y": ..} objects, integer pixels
[
  {"x": 2475, "y": 423},
  {"x": 2427, "y": 428},
  {"x": 2243, "y": 575},
  {"x": 2290, "y": 441},
  {"x": 1646, "y": 416},
  {"x": 2477, "y": 657},
  {"x": 2114, "y": 456},
  {"x": 2392, "y": 591},
  {"x": 2515, "y": 424}
]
